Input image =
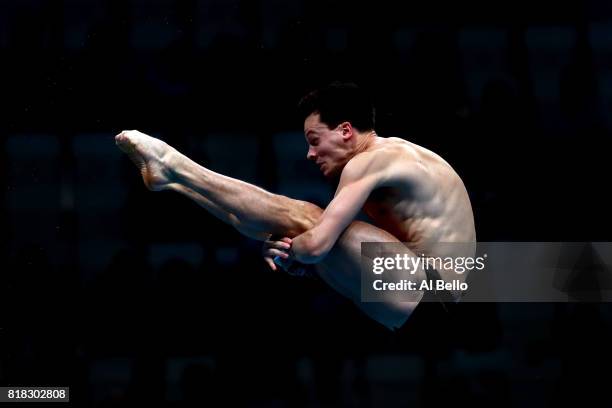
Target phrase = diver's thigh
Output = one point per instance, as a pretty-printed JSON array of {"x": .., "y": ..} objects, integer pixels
[{"x": 341, "y": 269}]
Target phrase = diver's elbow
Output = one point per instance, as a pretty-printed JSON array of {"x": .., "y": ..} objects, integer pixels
[{"x": 314, "y": 251}]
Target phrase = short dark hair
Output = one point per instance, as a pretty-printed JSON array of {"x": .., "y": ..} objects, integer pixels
[{"x": 339, "y": 102}]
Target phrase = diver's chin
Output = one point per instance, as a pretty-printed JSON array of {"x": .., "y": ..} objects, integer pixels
[{"x": 331, "y": 175}]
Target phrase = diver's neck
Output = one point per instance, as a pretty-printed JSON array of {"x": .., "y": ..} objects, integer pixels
[{"x": 366, "y": 142}]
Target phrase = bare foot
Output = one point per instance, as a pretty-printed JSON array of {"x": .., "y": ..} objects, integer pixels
[{"x": 150, "y": 155}]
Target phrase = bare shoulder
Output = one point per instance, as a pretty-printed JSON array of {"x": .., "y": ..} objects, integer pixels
[
  {"x": 399, "y": 155},
  {"x": 389, "y": 158},
  {"x": 364, "y": 164},
  {"x": 406, "y": 162},
  {"x": 417, "y": 155}
]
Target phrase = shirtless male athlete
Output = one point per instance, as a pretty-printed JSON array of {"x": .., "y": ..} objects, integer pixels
[{"x": 411, "y": 195}]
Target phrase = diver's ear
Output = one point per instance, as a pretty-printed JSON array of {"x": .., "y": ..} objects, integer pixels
[{"x": 347, "y": 130}]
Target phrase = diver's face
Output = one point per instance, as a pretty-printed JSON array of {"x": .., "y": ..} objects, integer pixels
[{"x": 326, "y": 147}]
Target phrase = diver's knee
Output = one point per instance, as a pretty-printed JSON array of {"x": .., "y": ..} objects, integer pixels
[{"x": 303, "y": 216}]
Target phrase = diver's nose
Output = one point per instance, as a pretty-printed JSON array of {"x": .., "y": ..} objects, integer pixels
[{"x": 311, "y": 155}]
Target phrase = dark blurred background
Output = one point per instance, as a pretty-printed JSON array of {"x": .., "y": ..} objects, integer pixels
[{"x": 130, "y": 296}]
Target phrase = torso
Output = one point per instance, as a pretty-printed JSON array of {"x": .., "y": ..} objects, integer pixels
[
  {"x": 434, "y": 207},
  {"x": 421, "y": 201}
]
